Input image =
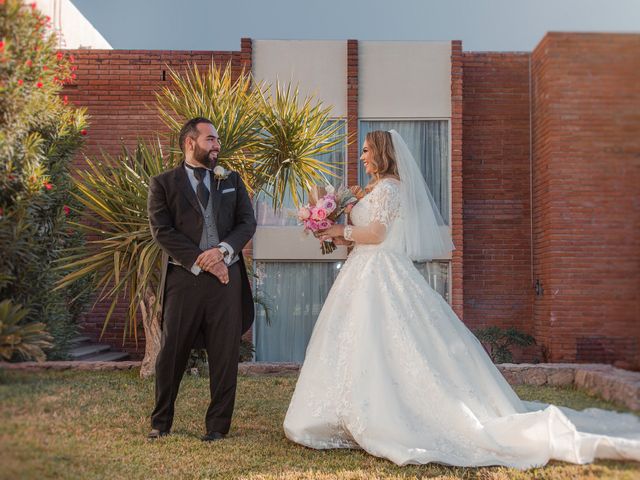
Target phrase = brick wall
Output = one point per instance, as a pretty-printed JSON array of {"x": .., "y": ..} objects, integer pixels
[
  {"x": 496, "y": 191},
  {"x": 457, "y": 227},
  {"x": 118, "y": 88},
  {"x": 353, "y": 148},
  {"x": 586, "y": 207},
  {"x": 582, "y": 94}
]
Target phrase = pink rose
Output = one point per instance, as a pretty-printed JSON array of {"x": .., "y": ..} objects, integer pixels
[
  {"x": 320, "y": 214},
  {"x": 304, "y": 213},
  {"x": 324, "y": 224},
  {"x": 311, "y": 225}
]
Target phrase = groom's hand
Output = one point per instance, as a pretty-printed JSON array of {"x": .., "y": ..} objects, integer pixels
[
  {"x": 207, "y": 259},
  {"x": 220, "y": 271}
]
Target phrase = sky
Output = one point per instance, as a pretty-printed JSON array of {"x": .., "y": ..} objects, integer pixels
[{"x": 482, "y": 25}]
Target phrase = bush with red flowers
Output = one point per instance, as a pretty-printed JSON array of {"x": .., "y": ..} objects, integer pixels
[{"x": 39, "y": 135}]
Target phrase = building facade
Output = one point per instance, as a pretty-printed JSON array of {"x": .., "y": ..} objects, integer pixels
[{"x": 533, "y": 159}]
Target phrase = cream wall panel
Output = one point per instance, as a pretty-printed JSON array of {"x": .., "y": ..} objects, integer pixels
[
  {"x": 319, "y": 67},
  {"x": 404, "y": 80},
  {"x": 290, "y": 244}
]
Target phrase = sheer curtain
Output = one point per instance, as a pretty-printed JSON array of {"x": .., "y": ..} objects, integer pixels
[
  {"x": 295, "y": 289},
  {"x": 294, "y": 293},
  {"x": 428, "y": 141}
]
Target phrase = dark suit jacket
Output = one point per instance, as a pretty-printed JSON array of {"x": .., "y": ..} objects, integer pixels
[{"x": 176, "y": 223}]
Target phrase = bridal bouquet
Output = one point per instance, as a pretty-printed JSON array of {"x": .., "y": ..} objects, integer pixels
[{"x": 324, "y": 209}]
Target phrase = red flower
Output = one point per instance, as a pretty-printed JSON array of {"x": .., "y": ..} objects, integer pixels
[
  {"x": 1, "y": 45},
  {"x": 56, "y": 80},
  {"x": 65, "y": 99},
  {"x": 28, "y": 63},
  {"x": 66, "y": 209},
  {"x": 83, "y": 132},
  {"x": 72, "y": 59},
  {"x": 20, "y": 82},
  {"x": 74, "y": 68},
  {"x": 45, "y": 68},
  {"x": 33, "y": 6},
  {"x": 47, "y": 19},
  {"x": 39, "y": 85},
  {"x": 73, "y": 76},
  {"x": 48, "y": 186}
]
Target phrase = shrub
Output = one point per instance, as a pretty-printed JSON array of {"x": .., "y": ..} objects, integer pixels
[{"x": 39, "y": 134}]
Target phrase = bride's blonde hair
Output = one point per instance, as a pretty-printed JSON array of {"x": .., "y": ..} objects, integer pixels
[{"x": 384, "y": 156}]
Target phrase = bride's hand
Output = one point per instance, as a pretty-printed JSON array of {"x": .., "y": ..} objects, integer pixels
[
  {"x": 357, "y": 191},
  {"x": 341, "y": 241},
  {"x": 333, "y": 231}
]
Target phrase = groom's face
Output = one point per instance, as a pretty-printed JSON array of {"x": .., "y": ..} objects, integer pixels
[{"x": 206, "y": 145}]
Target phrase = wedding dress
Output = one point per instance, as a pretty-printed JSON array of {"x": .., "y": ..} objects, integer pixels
[{"x": 392, "y": 370}]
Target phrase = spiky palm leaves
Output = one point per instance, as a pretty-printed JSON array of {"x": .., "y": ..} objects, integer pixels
[
  {"x": 271, "y": 136},
  {"x": 123, "y": 259},
  {"x": 271, "y": 140}
]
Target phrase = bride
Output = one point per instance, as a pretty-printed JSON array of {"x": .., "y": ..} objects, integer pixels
[{"x": 392, "y": 370}]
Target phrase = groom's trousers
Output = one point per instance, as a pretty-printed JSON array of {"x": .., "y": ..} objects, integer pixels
[{"x": 199, "y": 304}]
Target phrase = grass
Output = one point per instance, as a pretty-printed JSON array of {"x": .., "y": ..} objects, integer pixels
[{"x": 93, "y": 425}]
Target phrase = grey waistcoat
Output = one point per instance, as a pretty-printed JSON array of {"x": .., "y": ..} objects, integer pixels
[{"x": 209, "y": 238}]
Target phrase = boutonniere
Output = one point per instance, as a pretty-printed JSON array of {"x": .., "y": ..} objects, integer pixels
[{"x": 219, "y": 173}]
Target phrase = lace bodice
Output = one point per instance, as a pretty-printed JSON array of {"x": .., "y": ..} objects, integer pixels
[
  {"x": 381, "y": 205},
  {"x": 375, "y": 215}
]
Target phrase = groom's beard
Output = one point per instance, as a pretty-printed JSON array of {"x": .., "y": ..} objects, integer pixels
[{"x": 204, "y": 157}]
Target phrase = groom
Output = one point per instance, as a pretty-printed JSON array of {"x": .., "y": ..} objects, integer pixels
[{"x": 201, "y": 221}]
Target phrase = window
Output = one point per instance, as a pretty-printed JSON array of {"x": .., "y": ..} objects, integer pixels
[
  {"x": 294, "y": 292},
  {"x": 428, "y": 141},
  {"x": 294, "y": 288}
]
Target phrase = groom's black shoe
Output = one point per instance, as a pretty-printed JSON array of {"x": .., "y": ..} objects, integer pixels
[
  {"x": 156, "y": 434},
  {"x": 213, "y": 436}
]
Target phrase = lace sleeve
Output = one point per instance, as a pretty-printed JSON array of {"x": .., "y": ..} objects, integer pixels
[
  {"x": 383, "y": 209},
  {"x": 385, "y": 203}
]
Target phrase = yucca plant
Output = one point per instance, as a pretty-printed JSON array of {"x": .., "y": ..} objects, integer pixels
[
  {"x": 24, "y": 340},
  {"x": 270, "y": 140},
  {"x": 271, "y": 136},
  {"x": 122, "y": 259},
  {"x": 294, "y": 133},
  {"x": 233, "y": 105}
]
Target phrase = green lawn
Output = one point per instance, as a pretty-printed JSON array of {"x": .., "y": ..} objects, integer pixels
[{"x": 94, "y": 425}]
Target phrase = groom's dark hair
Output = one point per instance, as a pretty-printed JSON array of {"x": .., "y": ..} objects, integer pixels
[{"x": 190, "y": 129}]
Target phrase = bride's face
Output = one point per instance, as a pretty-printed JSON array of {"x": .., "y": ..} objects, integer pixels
[{"x": 367, "y": 159}]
